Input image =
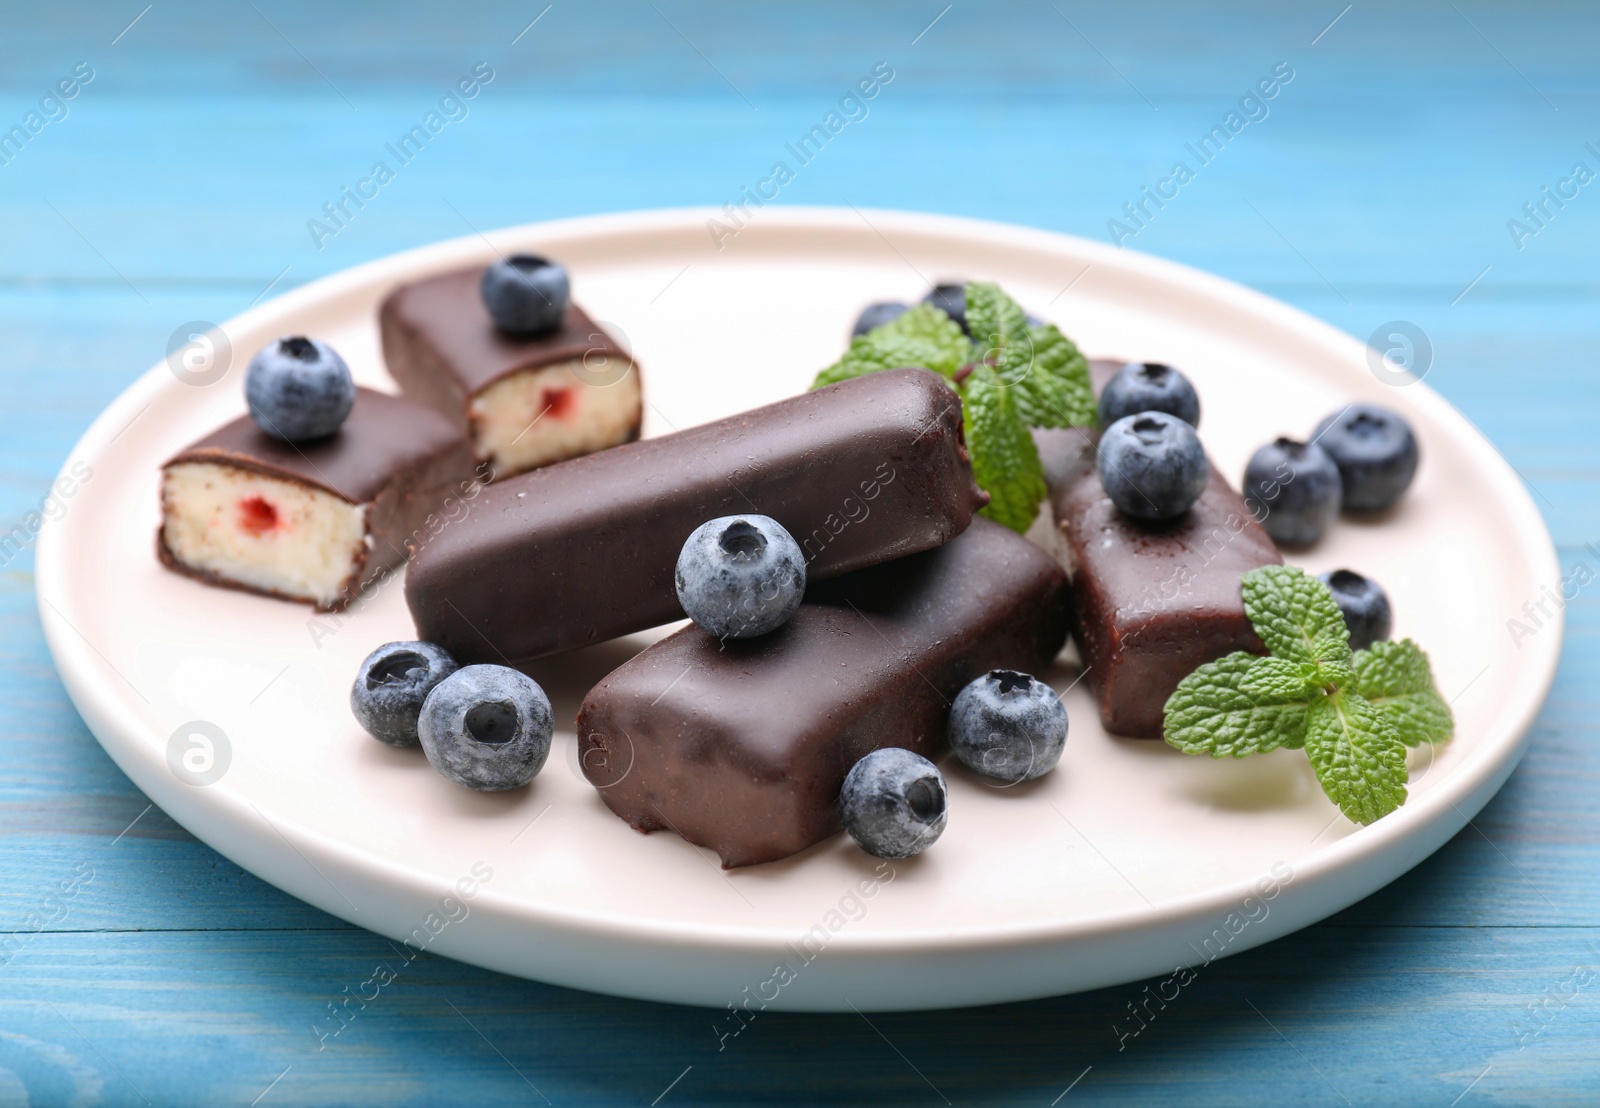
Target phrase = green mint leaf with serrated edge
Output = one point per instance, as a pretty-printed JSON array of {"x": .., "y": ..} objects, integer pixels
[
  {"x": 1272, "y": 680},
  {"x": 1397, "y": 679},
  {"x": 1357, "y": 755},
  {"x": 1295, "y": 615},
  {"x": 924, "y": 336},
  {"x": 999, "y": 329},
  {"x": 1211, "y": 714},
  {"x": 1005, "y": 461},
  {"x": 1043, "y": 367},
  {"x": 1000, "y": 339},
  {"x": 1057, "y": 391}
]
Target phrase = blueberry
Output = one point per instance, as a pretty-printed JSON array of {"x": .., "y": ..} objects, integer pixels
[
  {"x": 1008, "y": 726},
  {"x": 740, "y": 576},
  {"x": 1152, "y": 465},
  {"x": 526, "y": 295},
  {"x": 876, "y": 315},
  {"x": 391, "y": 686},
  {"x": 487, "y": 727},
  {"x": 951, "y": 299},
  {"x": 1365, "y": 606},
  {"x": 1292, "y": 489},
  {"x": 1149, "y": 387},
  {"x": 893, "y": 803},
  {"x": 1376, "y": 453},
  {"x": 298, "y": 389}
]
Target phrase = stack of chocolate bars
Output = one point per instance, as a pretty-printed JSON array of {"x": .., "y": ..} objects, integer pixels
[
  {"x": 739, "y": 745},
  {"x": 742, "y": 745}
]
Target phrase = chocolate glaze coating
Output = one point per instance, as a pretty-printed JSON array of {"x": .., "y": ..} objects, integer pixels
[
  {"x": 400, "y": 459},
  {"x": 742, "y": 746},
  {"x": 442, "y": 348},
  {"x": 557, "y": 558},
  {"x": 383, "y": 437},
  {"x": 1151, "y": 601}
]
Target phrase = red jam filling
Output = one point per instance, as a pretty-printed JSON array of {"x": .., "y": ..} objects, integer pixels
[
  {"x": 558, "y": 403},
  {"x": 257, "y": 516}
]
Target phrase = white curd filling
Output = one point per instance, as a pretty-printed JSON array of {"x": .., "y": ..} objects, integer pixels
[
  {"x": 545, "y": 415},
  {"x": 261, "y": 531}
]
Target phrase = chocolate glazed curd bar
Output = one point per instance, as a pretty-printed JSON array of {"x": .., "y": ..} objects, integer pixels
[
  {"x": 1151, "y": 601},
  {"x": 741, "y": 746},
  {"x": 859, "y": 473},
  {"x": 312, "y": 521},
  {"x": 523, "y": 402}
]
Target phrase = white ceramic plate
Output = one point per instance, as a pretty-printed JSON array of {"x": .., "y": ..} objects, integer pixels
[{"x": 1127, "y": 861}]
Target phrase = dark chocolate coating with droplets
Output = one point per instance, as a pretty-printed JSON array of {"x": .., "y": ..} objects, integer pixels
[
  {"x": 742, "y": 746},
  {"x": 561, "y": 557}
]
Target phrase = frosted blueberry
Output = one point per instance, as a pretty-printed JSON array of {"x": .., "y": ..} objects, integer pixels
[
  {"x": 487, "y": 727},
  {"x": 1149, "y": 387},
  {"x": 951, "y": 299},
  {"x": 1364, "y": 605},
  {"x": 526, "y": 295},
  {"x": 893, "y": 803},
  {"x": 392, "y": 684},
  {"x": 1008, "y": 726},
  {"x": 740, "y": 576},
  {"x": 1152, "y": 465},
  {"x": 298, "y": 389},
  {"x": 1376, "y": 452},
  {"x": 876, "y": 315},
  {"x": 1293, "y": 490}
]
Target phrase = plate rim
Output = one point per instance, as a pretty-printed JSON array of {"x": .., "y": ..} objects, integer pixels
[{"x": 1471, "y": 783}]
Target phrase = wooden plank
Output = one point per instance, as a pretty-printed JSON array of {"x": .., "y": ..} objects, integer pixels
[
  {"x": 1390, "y": 1015},
  {"x": 1166, "y": 50},
  {"x": 1348, "y": 165},
  {"x": 244, "y": 215}
]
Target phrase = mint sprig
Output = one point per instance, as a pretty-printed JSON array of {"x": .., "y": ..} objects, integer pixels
[
  {"x": 1010, "y": 377},
  {"x": 1354, "y": 713},
  {"x": 1005, "y": 461}
]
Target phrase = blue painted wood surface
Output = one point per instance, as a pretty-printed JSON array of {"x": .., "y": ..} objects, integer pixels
[{"x": 178, "y": 182}]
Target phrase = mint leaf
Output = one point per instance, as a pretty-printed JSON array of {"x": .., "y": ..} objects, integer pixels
[
  {"x": 1049, "y": 374},
  {"x": 1354, "y": 714},
  {"x": 1210, "y": 713},
  {"x": 1358, "y": 758},
  {"x": 923, "y": 336},
  {"x": 1004, "y": 459},
  {"x": 1295, "y": 615},
  {"x": 1058, "y": 392},
  {"x": 1397, "y": 679},
  {"x": 1276, "y": 679},
  {"x": 1000, "y": 338},
  {"x": 999, "y": 330},
  {"x": 1337, "y": 674}
]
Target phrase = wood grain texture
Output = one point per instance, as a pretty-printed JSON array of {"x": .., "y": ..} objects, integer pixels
[{"x": 1379, "y": 187}]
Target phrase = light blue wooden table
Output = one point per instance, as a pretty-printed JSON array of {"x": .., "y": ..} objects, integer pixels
[{"x": 1381, "y": 183}]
